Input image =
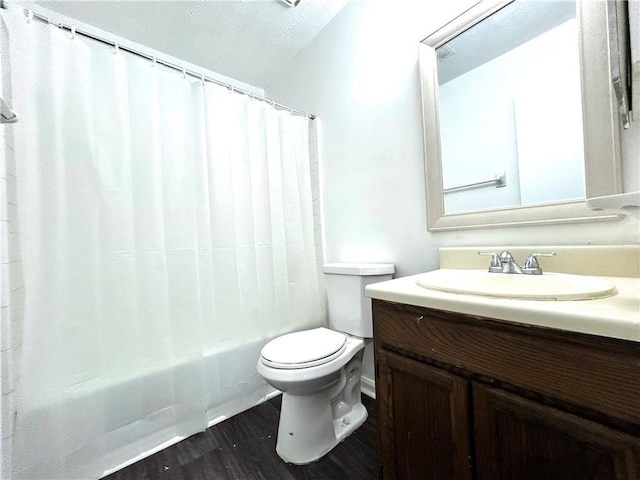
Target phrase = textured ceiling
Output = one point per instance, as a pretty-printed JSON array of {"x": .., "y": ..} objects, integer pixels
[{"x": 248, "y": 40}]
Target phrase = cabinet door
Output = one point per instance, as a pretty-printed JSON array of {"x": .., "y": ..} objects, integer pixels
[
  {"x": 423, "y": 414},
  {"x": 517, "y": 439}
]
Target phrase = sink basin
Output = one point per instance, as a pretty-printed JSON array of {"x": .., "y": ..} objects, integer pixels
[{"x": 548, "y": 286}]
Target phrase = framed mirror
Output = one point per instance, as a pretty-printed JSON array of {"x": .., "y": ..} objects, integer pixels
[{"x": 519, "y": 114}]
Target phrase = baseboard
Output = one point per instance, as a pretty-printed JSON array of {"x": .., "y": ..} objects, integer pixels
[{"x": 368, "y": 387}]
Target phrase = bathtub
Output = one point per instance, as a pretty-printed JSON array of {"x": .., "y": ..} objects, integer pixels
[{"x": 116, "y": 423}]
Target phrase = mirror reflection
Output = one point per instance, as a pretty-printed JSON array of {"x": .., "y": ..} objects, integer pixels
[{"x": 510, "y": 109}]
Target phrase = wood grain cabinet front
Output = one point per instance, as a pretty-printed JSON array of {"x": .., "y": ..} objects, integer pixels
[
  {"x": 449, "y": 409},
  {"x": 519, "y": 439},
  {"x": 424, "y": 414}
]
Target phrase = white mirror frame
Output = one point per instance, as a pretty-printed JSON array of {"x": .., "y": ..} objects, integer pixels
[{"x": 600, "y": 126}]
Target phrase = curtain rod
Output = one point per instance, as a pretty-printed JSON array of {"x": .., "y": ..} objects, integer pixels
[{"x": 31, "y": 14}]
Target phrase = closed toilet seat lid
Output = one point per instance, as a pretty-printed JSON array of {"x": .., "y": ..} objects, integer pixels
[{"x": 304, "y": 349}]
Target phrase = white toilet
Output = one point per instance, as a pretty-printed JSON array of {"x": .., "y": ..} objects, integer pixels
[{"x": 319, "y": 370}]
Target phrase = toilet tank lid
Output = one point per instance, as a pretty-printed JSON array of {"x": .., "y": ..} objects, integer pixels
[{"x": 359, "y": 268}]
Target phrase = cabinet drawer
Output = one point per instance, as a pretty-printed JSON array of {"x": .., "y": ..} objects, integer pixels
[{"x": 597, "y": 373}]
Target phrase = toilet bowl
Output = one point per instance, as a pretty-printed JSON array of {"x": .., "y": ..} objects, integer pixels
[
  {"x": 318, "y": 371},
  {"x": 321, "y": 402}
]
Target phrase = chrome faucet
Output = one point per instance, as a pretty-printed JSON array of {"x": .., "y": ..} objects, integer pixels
[{"x": 505, "y": 263}]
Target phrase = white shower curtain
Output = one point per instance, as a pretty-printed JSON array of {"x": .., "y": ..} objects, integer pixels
[{"x": 161, "y": 221}]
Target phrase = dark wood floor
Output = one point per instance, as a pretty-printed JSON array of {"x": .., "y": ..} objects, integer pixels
[{"x": 244, "y": 447}]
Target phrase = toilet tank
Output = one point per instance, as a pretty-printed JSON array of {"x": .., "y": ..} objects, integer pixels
[{"x": 349, "y": 309}]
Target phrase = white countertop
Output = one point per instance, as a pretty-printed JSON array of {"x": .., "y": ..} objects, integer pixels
[{"x": 616, "y": 317}]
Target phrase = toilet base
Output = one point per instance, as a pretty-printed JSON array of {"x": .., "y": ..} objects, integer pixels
[
  {"x": 311, "y": 425},
  {"x": 311, "y": 440},
  {"x": 346, "y": 426}
]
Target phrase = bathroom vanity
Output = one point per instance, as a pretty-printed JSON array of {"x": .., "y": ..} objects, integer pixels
[{"x": 484, "y": 388}]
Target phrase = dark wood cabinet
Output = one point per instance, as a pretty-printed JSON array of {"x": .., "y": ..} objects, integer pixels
[
  {"x": 518, "y": 438},
  {"x": 462, "y": 397},
  {"x": 428, "y": 409}
]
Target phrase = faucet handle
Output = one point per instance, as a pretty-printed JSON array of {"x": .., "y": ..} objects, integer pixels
[
  {"x": 494, "y": 266},
  {"x": 531, "y": 265}
]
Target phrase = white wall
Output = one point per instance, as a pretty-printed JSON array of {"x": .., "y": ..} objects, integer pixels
[{"x": 360, "y": 76}]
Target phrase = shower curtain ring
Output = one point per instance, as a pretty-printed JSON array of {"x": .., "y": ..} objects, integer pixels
[
  {"x": 184, "y": 73},
  {"x": 202, "y": 78},
  {"x": 153, "y": 61},
  {"x": 73, "y": 33},
  {"x": 290, "y": 110},
  {"x": 116, "y": 48},
  {"x": 29, "y": 15}
]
